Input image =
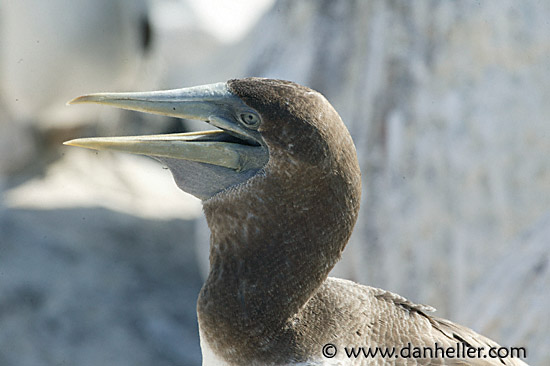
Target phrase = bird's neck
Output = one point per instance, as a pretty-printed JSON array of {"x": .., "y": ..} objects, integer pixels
[{"x": 272, "y": 245}]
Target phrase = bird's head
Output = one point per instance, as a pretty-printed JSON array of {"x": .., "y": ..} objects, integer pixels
[
  {"x": 279, "y": 180},
  {"x": 263, "y": 125}
]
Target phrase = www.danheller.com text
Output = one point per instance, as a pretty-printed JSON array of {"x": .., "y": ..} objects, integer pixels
[{"x": 459, "y": 351}]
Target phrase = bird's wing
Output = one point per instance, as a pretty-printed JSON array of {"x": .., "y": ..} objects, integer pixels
[
  {"x": 454, "y": 333},
  {"x": 347, "y": 314}
]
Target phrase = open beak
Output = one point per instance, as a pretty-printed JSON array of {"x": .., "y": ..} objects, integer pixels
[{"x": 233, "y": 146}]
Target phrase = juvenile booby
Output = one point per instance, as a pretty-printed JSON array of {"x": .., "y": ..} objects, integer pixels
[{"x": 280, "y": 186}]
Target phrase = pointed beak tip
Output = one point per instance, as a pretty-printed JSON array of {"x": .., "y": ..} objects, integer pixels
[
  {"x": 79, "y": 100},
  {"x": 83, "y": 142},
  {"x": 70, "y": 143}
]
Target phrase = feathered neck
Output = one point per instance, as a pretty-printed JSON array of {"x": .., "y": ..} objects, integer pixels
[{"x": 274, "y": 240}]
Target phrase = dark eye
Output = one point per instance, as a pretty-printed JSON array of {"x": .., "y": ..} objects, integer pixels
[{"x": 250, "y": 119}]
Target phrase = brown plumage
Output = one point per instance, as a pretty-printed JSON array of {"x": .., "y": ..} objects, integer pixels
[{"x": 278, "y": 230}]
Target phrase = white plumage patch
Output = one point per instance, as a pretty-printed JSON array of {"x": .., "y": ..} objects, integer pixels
[{"x": 209, "y": 358}]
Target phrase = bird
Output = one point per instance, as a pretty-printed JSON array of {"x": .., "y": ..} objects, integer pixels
[
  {"x": 45, "y": 53},
  {"x": 280, "y": 186}
]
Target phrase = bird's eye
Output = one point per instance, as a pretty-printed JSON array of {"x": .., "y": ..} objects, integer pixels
[{"x": 250, "y": 119}]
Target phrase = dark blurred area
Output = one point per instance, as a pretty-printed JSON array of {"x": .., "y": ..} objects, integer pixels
[{"x": 102, "y": 257}]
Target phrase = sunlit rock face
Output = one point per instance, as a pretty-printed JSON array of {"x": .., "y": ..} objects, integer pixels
[{"x": 525, "y": 273}]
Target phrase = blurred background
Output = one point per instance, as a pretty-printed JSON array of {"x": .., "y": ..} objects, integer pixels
[{"x": 102, "y": 257}]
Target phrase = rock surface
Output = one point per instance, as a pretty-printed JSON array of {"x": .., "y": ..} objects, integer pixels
[
  {"x": 90, "y": 286},
  {"x": 526, "y": 274}
]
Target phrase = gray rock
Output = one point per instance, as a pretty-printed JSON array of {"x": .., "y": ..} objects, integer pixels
[
  {"x": 526, "y": 274},
  {"x": 96, "y": 287}
]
